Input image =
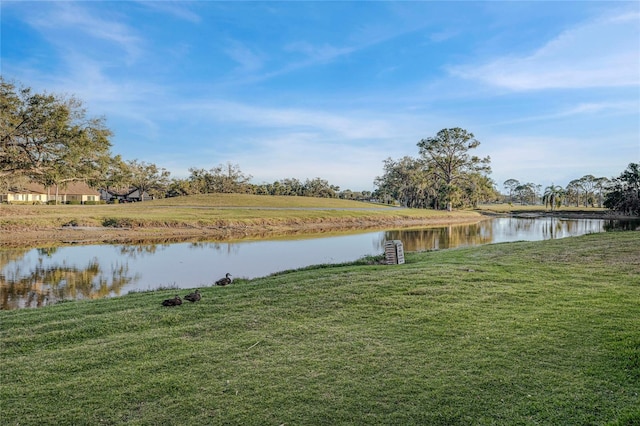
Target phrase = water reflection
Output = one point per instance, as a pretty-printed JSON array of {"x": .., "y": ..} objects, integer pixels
[
  {"x": 35, "y": 278},
  {"x": 440, "y": 238},
  {"x": 38, "y": 277}
]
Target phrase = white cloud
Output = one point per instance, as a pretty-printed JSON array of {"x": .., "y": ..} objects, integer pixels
[
  {"x": 302, "y": 156},
  {"x": 348, "y": 126},
  {"x": 318, "y": 54},
  {"x": 598, "y": 109},
  {"x": 63, "y": 15},
  {"x": 347, "y": 148},
  {"x": 547, "y": 160},
  {"x": 247, "y": 59},
  {"x": 176, "y": 9},
  {"x": 603, "y": 53}
]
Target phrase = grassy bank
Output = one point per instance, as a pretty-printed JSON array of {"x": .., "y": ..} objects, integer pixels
[
  {"x": 215, "y": 210},
  {"x": 215, "y": 216},
  {"x": 519, "y": 333}
]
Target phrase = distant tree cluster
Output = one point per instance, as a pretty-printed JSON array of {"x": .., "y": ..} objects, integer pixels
[
  {"x": 445, "y": 175},
  {"x": 624, "y": 191},
  {"x": 587, "y": 191},
  {"x": 620, "y": 194},
  {"x": 228, "y": 178}
]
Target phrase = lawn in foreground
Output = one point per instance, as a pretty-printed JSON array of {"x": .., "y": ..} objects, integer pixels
[{"x": 518, "y": 333}]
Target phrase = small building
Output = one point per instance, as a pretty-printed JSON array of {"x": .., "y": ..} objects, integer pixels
[
  {"x": 35, "y": 193},
  {"x": 124, "y": 195},
  {"x": 29, "y": 193}
]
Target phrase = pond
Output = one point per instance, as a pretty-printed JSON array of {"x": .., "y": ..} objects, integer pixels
[{"x": 40, "y": 277}]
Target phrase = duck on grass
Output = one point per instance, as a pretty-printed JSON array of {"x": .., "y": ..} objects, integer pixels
[
  {"x": 172, "y": 302},
  {"x": 224, "y": 281},
  {"x": 196, "y": 296}
]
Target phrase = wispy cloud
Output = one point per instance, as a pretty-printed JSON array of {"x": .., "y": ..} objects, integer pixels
[
  {"x": 318, "y": 53},
  {"x": 72, "y": 16},
  {"x": 553, "y": 159},
  {"x": 299, "y": 155},
  {"x": 177, "y": 9},
  {"x": 303, "y": 54},
  {"x": 603, "y": 53},
  {"x": 347, "y": 126},
  {"x": 601, "y": 109},
  {"x": 248, "y": 60}
]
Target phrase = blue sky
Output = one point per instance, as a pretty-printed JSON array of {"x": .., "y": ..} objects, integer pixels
[{"x": 331, "y": 89}]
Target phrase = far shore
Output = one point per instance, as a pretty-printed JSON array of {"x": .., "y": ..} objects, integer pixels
[
  {"x": 566, "y": 214},
  {"x": 74, "y": 235}
]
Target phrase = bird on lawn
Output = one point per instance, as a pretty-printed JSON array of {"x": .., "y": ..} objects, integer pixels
[
  {"x": 224, "y": 281},
  {"x": 193, "y": 297},
  {"x": 172, "y": 302}
]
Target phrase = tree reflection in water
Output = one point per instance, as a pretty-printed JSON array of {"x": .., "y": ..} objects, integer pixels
[
  {"x": 43, "y": 285},
  {"x": 441, "y": 238}
]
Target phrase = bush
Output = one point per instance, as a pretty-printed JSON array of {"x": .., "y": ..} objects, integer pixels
[
  {"x": 624, "y": 194},
  {"x": 113, "y": 222}
]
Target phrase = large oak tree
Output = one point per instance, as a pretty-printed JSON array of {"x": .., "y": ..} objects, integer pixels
[
  {"x": 449, "y": 160},
  {"x": 48, "y": 138}
]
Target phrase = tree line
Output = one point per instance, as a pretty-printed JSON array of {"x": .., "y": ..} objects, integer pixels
[
  {"x": 49, "y": 139},
  {"x": 587, "y": 191},
  {"x": 621, "y": 193}
]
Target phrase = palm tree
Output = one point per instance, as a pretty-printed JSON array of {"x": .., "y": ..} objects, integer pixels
[{"x": 553, "y": 196}]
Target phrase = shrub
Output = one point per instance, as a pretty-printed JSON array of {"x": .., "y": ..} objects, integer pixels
[{"x": 117, "y": 223}]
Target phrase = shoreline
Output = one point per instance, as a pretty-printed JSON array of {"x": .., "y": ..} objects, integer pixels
[
  {"x": 604, "y": 215},
  {"x": 86, "y": 235},
  {"x": 83, "y": 235}
]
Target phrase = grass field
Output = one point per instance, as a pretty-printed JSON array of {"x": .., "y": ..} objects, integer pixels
[
  {"x": 213, "y": 210},
  {"x": 542, "y": 333}
]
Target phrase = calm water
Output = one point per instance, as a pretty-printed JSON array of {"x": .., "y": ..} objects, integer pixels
[{"x": 38, "y": 277}]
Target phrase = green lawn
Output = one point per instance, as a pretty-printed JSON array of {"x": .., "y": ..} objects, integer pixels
[
  {"x": 541, "y": 333},
  {"x": 214, "y": 210}
]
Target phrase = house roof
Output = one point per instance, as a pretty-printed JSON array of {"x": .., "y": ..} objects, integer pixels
[
  {"x": 124, "y": 192},
  {"x": 72, "y": 188},
  {"x": 120, "y": 192}
]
